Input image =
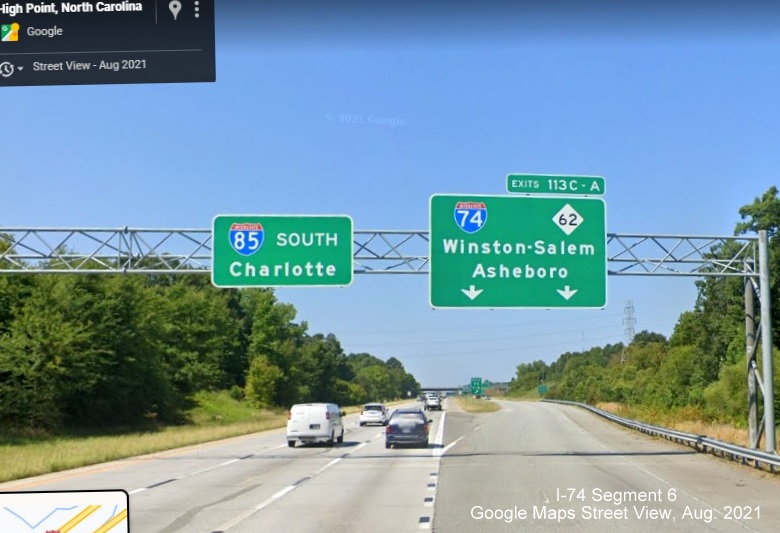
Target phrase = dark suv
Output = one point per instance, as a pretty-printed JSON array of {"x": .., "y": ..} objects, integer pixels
[{"x": 407, "y": 426}]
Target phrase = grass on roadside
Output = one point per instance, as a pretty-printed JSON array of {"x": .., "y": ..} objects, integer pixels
[
  {"x": 62, "y": 453},
  {"x": 530, "y": 396},
  {"x": 685, "y": 420},
  {"x": 217, "y": 416},
  {"x": 470, "y": 405}
]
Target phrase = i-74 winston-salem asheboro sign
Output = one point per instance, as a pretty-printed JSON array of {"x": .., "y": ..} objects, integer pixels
[
  {"x": 517, "y": 252},
  {"x": 282, "y": 251}
]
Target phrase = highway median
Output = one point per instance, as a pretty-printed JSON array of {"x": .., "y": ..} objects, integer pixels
[{"x": 472, "y": 405}]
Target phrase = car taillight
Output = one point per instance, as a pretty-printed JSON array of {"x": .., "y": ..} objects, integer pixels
[
  {"x": 327, "y": 416},
  {"x": 388, "y": 430}
]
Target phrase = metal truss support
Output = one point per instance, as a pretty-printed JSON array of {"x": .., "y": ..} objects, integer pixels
[
  {"x": 766, "y": 340},
  {"x": 750, "y": 349},
  {"x": 755, "y": 382},
  {"x": 188, "y": 251}
]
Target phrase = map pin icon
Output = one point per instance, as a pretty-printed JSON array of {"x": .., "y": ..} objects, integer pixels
[{"x": 175, "y": 7}]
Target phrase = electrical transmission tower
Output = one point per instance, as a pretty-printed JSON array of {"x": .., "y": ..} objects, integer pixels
[{"x": 628, "y": 322}]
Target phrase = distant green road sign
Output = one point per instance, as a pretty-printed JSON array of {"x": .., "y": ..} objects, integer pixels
[
  {"x": 551, "y": 184},
  {"x": 517, "y": 252},
  {"x": 476, "y": 386},
  {"x": 281, "y": 251},
  {"x": 542, "y": 389}
]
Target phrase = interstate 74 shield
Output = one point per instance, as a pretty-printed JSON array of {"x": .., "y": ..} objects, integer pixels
[
  {"x": 470, "y": 216},
  {"x": 246, "y": 238}
]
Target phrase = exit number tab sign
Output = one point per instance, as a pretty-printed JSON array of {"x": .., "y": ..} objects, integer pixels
[{"x": 554, "y": 184}]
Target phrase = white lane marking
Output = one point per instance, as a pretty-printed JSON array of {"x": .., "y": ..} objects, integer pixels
[
  {"x": 436, "y": 453},
  {"x": 226, "y": 463},
  {"x": 248, "y": 514},
  {"x": 276, "y": 496},
  {"x": 260, "y": 507},
  {"x": 439, "y": 438},
  {"x": 209, "y": 469},
  {"x": 356, "y": 448},
  {"x": 324, "y": 468},
  {"x": 244, "y": 516},
  {"x": 444, "y": 450},
  {"x": 441, "y": 451}
]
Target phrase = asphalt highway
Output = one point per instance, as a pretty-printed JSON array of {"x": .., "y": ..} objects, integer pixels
[
  {"x": 545, "y": 467},
  {"x": 256, "y": 483},
  {"x": 528, "y": 467}
]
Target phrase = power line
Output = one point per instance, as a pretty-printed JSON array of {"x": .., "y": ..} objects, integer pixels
[
  {"x": 478, "y": 353},
  {"x": 468, "y": 328},
  {"x": 480, "y": 340},
  {"x": 628, "y": 322},
  {"x": 513, "y": 326}
]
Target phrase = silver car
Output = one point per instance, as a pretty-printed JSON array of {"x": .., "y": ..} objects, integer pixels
[
  {"x": 374, "y": 413},
  {"x": 432, "y": 402}
]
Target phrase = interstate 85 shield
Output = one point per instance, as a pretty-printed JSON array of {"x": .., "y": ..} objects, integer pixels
[
  {"x": 246, "y": 238},
  {"x": 470, "y": 216}
]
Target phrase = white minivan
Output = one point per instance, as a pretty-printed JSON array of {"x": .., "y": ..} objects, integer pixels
[{"x": 315, "y": 422}]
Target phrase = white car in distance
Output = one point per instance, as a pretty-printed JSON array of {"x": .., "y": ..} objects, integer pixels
[
  {"x": 432, "y": 402},
  {"x": 374, "y": 413}
]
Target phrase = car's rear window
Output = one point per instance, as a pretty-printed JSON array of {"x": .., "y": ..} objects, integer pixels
[
  {"x": 372, "y": 408},
  {"x": 415, "y": 417}
]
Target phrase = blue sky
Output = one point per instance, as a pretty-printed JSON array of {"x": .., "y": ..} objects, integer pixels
[{"x": 680, "y": 114}]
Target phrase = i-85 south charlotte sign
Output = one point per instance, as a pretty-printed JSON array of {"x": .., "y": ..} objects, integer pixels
[
  {"x": 282, "y": 251},
  {"x": 517, "y": 252}
]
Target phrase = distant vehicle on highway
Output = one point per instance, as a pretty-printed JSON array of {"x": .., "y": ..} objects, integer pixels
[
  {"x": 374, "y": 413},
  {"x": 421, "y": 398},
  {"x": 432, "y": 402},
  {"x": 315, "y": 422},
  {"x": 407, "y": 426}
]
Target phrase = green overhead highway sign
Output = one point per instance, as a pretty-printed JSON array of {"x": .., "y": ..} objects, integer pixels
[
  {"x": 476, "y": 386},
  {"x": 558, "y": 185},
  {"x": 281, "y": 251},
  {"x": 517, "y": 252}
]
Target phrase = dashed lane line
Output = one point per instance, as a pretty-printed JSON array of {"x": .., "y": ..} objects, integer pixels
[
  {"x": 251, "y": 512},
  {"x": 198, "y": 472}
]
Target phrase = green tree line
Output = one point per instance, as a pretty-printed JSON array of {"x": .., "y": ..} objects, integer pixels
[
  {"x": 91, "y": 351},
  {"x": 701, "y": 368}
]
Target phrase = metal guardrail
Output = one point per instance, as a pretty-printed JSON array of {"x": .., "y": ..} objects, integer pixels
[{"x": 700, "y": 443}]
